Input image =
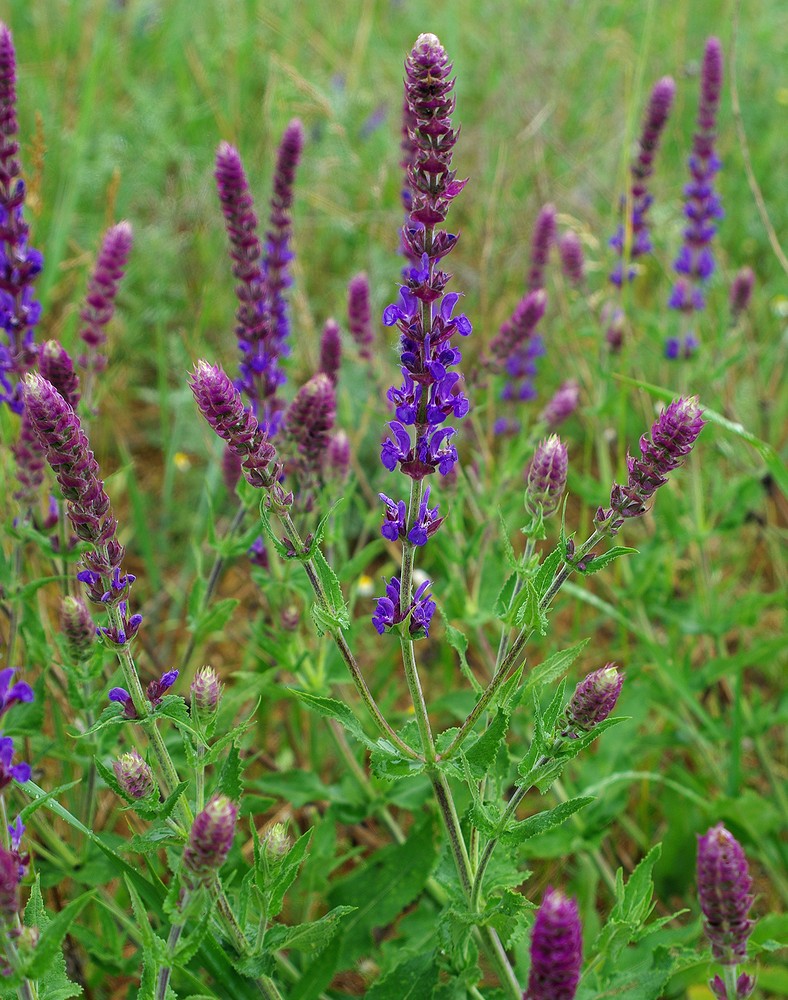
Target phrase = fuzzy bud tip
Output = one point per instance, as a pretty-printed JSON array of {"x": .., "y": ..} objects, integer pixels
[{"x": 134, "y": 775}]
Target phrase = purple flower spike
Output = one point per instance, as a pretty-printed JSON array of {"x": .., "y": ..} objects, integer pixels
[
  {"x": 9, "y": 885},
  {"x": 556, "y": 949},
  {"x": 546, "y": 477},
  {"x": 517, "y": 346},
  {"x": 78, "y": 629},
  {"x": 338, "y": 456},
  {"x": 724, "y": 886},
  {"x": 222, "y": 406},
  {"x": 330, "y": 350},
  {"x": 134, "y": 775},
  {"x": 741, "y": 291},
  {"x": 388, "y": 611},
  {"x": 31, "y": 464},
  {"x": 11, "y": 772},
  {"x": 430, "y": 393},
  {"x": 56, "y": 366},
  {"x": 210, "y": 840},
  {"x": 156, "y": 689},
  {"x": 11, "y": 694},
  {"x": 570, "y": 250},
  {"x": 358, "y": 314},
  {"x": 593, "y": 700},
  {"x": 673, "y": 435},
  {"x": 99, "y": 305},
  {"x": 657, "y": 113},
  {"x": 562, "y": 405},
  {"x": 543, "y": 239},
  {"x": 20, "y": 264},
  {"x": 307, "y": 427},
  {"x": 695, "y": 261}
]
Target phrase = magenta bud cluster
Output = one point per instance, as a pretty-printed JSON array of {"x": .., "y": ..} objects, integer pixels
[
  {"x": 556, "y": 949},
  {"x": 210, "y": 840},
  {"x": 546, "y": 478},
  {"x": 593, "y": 700},
  {"x": 99, "y": 306}
]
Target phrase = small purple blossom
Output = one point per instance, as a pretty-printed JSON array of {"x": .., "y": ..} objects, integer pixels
[
  {"x": 11, "y": 772},
  {"x": 673, "y": 435},
  {"x": 11, "y": 694},
  {"x": 155, "y": 692},
  {"x": 695, "y": 261},
  {"x": 307, "y": 427},
  {"x": 657, "y": 112},
  {"x": 206, "y": 692},
  {"x": 425, "y": 525},
  {"x": 388, "y": 611},
  {"x": 724, "y": 886},
  {"x": 338, "y": 456},
  {"x": 556, "y": 949},
  {"x": 543, "y": 238},
  {"x": 9, "y": 886},
  {"x": 56, "y": 366},
  {"x": 78, "y": 628},
  {"x": 134, "y": 775},
  {"x": 359, "y": 317},
  {"x": 517, "y": 346}
]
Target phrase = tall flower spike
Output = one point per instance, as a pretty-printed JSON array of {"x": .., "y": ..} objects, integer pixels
[
  {"x": 741, "y": 292},
  {"x": 330, "y": 350},
  {"x": 657, "y": 113},
  {"x": 210, "y": 840},
  {"x": 517, "y": 346},
  {"x": 543, "y": 238},
  {"x": 20, "y": 264},
  {"x": 430, "y": 393},
  {"x": 556, "y": 949},
  {"x": 673, "y": 435},
  {"x": 307, "y": 427},
  {"x": 695, "y": 261},
  {"x": 99, "y": 306},
  {"x": 78, "y": 629},
  {"x": 570, "y": 250},
  {"x": 358, "y": 314},
  {"x": 68, "y": 453},
  {"x": 561, "y": 405},
  {"x": 546, "y": 479},
  {"x": 724, "y": 886},
  {"x": 593, "y": 700}
]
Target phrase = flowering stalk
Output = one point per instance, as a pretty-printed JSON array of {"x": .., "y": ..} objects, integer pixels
[
  {"x": 99, "y": 305},
  {"x": 515, "y": 350},
  {"x": 359, "y": 317},
  {"x": 561, "y": 405},
  {"x": 695, "y": 262},
  {"x": 556, "y": 949},
  {"x": 632, "y": 238},
  {"x": 20, "y": 264},
  {"x": 331, "y": 350},
  {"x": 543, "y": 238},
  {"x": 741, "y": 292},
  {"x": 570, "y": 250}
]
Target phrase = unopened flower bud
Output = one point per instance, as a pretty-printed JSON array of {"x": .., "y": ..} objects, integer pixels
[
  {"x": 724, "y": 885},
  {"x": 277, "y": 842},
  {"x": 78, "y": 629},
  {"x": 546, "y": 477},
  {"x": 562, "y": 405},
  {"x": 290, "y": 617},
  {"x": 556, "y": 949},
  {"x": 594, "y": 699},
  {"x": 206, "y": 692},
  {"x": 741, "y": 291},
  {"x": 134, "y": 775},
  {"x": 210, "y": 840}
]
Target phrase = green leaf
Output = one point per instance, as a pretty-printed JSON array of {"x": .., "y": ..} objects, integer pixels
[
  {"x": 605, "y": 558},
  {"x": 547, "y": 570},
  {"x": 483, "y": 752},
  {"x": 265, "y": 520},
  {"x": 508, "y": 551},
  {"x": 311, "y": 937},
  {"x": 213, "y": 619},
  {"x": 546, "y": 820},
  {"x": 414, "y": 979},
  {"x": 459, "y": 642},
  {"x": 530, "y": 616},
  {"x": 284, "y": 876},
  {"x": 320, "y": 530},
  {"x": 47, "y": 964},
  {"x": 554, "y": 666},
  {"x": 230, "y": 782},
  {"x": 173, "y": 707},
  {"x": 113, "y": 715},
  {"x": 335, "y": 614},
  {"x": 508, "y": 914},
  {"x": 503, "y": 602},
  {"x": 338, "y": 710}
]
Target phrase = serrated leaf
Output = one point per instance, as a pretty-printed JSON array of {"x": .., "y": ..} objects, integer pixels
[
  {"x": 265, "y": 520},
  {"x": 230, "y": 783},
  {"x": 508, "y": 551},
  {"x": 544, "y": 821},
  {"x": 503, "y": 602},
  {"x": 604, "y": 559},
  {"x": 213, "y": 619},
  {"x": 459, "y": 642},
  {"x": 338, "y": 710},
  {"x": 508, "y": 914},
  {"x": 113, "y": 715},
  {"x": 414, "y": 979},
  {"x": 173, "y": 707},
  {"x": 335, "y": 614},
  {"x": 320, "y": 530},
  {"x": 215, "y": 749},
  {"x": 152, "y": 840},
  {"x": 529, "y": 615},
  {"x": 311, "y": 937},
  {"x": 554, "y": 666},
  {"x": 285, "y": 874},
  {"x": 547, "y": 570},
  {"x": 47, "y": 961},
  {"x": 483, "y": 752}
]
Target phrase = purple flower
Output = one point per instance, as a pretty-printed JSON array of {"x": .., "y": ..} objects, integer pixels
[
  {"x": 570, "y": 250},
  {"x": 546, "y": 478},
  {"x": 673, "y": 435},
  {"x": 11, "y": 694},
  {"x": 20, "y": 264},
  {"x": 9, "y": 885},
  {"x": 308, "y": 423},
  {"x": 741, "y": 291},
  {"x": 78, "y": 629},
  {"x": 56, "y": 366},
  {"x": 593, "y": 700},
  {"x": 8, "y": 771},
  {"x": 724, "y": 886},
  {"x": 330, "y": 350},
  {"x": 99, "y": 306},
  {"x": 338, "y": 457},
  {"x": 358, "y": 314},
  {"x": 222, "y": 406},
  {"x": 561, "y": 405},
  {"x": 695, "y": 261},
  {"x": 657, "y": 113},
  {"x": 388, "y": 611},
  {"x": 430, "y": 393},
  {"x": 154, "y": 692},
  {"x": 206, "y": 692},
  {"x": 543, "y": 238},
  {"x": 210, "y": 840},
  {"x": 517, "y": 346},
  {"x": 556, "y": 949},
  {"x": 134, "y": 775}
]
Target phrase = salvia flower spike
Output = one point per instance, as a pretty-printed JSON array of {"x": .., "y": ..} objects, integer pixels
[
  {"x": 673, "y": 435},
  {"x": 77, "y": 472},
  {"x": 593, "y": 700},
  {"x": 657, "y": 113},
  {"x": 206, "y": 693},
  {"x": 517, "y": 346},
  {"x": 556, "y": 949},
  {"x": 543, "y": 238},
  {"x": 99, "y": 306},
  {"x": 695, "y": 264},
  {"x": 210, "y": 840},
  {"x": 546, "y": 479},
  {"x": 724, "y": 886},
  {"x": 359, "y": 316},
  {"x": 561, "y": 405},
  {"x": 741, "y": 292},
  {"x": 56, "y": 366},
  {"x": 570, "y": 250}
]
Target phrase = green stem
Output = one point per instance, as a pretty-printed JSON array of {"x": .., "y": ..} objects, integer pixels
[
  {"x": 729, "y": 977},
  {"x": 166, "y": 970}
]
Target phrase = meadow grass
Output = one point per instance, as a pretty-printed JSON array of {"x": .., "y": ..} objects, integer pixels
[{"x": 121, "y": 109}]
